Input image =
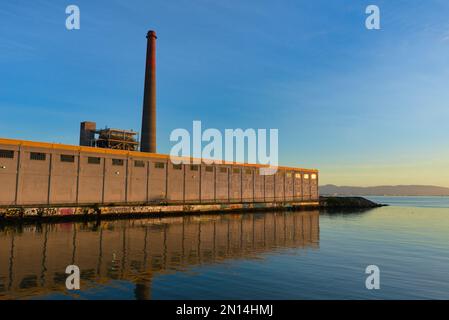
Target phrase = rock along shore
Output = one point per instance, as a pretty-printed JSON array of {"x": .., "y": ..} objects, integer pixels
[{"x": 347, "y": 203}]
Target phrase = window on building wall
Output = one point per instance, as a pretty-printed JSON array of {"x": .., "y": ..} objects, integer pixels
[
  {"x": 223, "y": 170},
  {"x": 288, "y": 175},
  {"x": 313, "y": 176},
  {"x": 236, "y": 170},
  {"x": 209, "y": 169},
  {"x": 139, "y": 163},
  {"x": 248, "y": 171},
  {"x": 118, "y": 162},
  {"x": 297, "y": 175},
  {"x": 306, "y": 176},
  {"x": 177, "y": 167},
  {"x": 67, "y": 158},
  {"x": 159, "y": 165},
  {"x": 38, "y": 156},
  {"x": 93, "y": 160},
  {"x": 8, "y": 154},
  {"x": 194, "y": 167}
]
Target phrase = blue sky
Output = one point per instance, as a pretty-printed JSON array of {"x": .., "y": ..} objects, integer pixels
[{"x": 366, "y": 107}]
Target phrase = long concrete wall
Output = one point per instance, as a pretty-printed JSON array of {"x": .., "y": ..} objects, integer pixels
[{"x": 48, "y": 174}]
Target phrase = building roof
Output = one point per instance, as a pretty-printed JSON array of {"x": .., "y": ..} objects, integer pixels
[{"x": 58, "y": 146}]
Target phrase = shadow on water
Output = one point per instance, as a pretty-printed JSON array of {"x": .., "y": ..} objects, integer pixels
[
  {"x": 342, "y": 212},
  {"x": 33, "y": 258}
]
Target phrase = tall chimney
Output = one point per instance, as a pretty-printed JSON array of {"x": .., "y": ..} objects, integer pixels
[{"x": 148, "y": 134}]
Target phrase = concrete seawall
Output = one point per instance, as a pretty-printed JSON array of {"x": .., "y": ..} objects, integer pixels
[
  {"x": 42, "y": 213},
  {"x": 97, "y": 211}
]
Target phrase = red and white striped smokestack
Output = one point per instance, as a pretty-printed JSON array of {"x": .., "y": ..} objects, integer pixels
[{"x": 148, "y": 133}]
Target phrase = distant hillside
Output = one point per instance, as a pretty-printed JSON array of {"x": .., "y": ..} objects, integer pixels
[{"x": 384, "y": 190}]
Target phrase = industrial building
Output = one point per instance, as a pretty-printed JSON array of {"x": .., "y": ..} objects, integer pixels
[
  {"x": 108, "y": 169},
  {"x": 33, "y": 173}
]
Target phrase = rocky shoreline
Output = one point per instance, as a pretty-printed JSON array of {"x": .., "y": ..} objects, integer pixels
[{"x": 347, "y": 203}]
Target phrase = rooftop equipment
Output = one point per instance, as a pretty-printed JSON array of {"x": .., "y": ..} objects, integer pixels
[{"x": 107, "y": 138}]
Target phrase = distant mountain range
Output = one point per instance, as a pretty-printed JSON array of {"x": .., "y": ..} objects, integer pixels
[{"x": 402, "y": 190}]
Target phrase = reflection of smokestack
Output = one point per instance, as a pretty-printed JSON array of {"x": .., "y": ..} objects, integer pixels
[
  {"x": 142, "y": 291},
  {"x": 148, "y": 135}
]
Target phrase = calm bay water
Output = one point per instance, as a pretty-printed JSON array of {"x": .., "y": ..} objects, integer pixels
[
  {"x": 282, "y": 255},
  {"x": 421, "y": 202}
]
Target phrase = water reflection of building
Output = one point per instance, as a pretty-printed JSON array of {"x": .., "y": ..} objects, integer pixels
[{"x": 33, "y": 258}]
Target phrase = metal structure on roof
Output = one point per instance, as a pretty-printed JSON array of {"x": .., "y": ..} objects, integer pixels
[{"x": 108, "y": 138}]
